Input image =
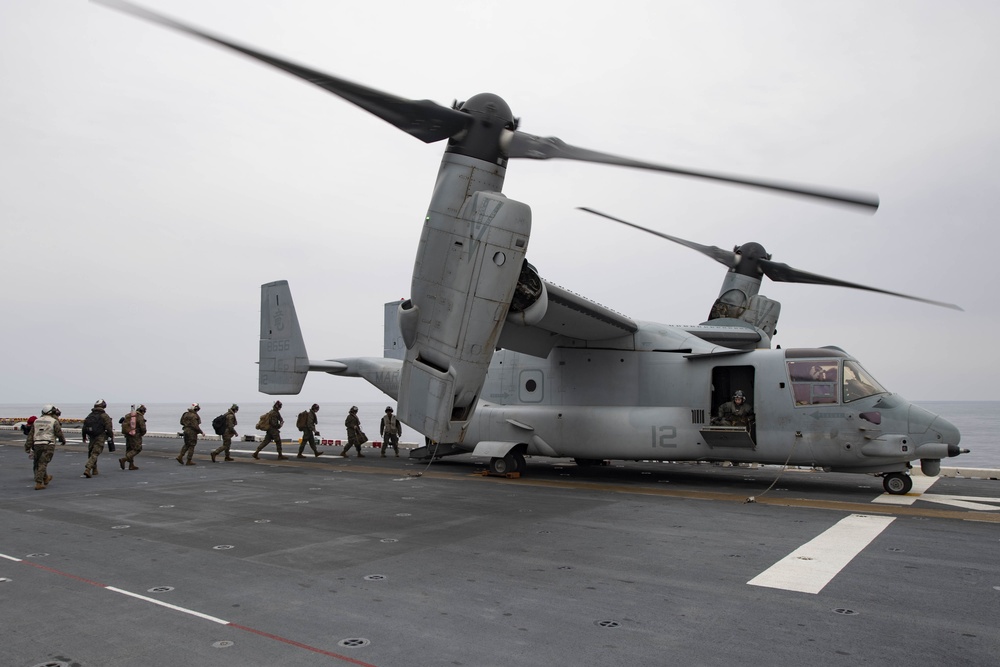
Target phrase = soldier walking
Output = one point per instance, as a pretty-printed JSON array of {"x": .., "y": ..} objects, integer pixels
[
  {"x": 41, "y": 443},
  {"x": 354, "y": 438},
  {"x": 306, "y": 423},
  {"x": 273, "y": 432},
  {"x": 97, "y": 429},
  {"x": 192, "y": 429},
  {"x": 390, "y": 429},
  {"x": 228, "y": 431},
  {"x": 133, "y": 428}
]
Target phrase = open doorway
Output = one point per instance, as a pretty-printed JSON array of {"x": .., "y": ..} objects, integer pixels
[{"x": 726, "y": 382}]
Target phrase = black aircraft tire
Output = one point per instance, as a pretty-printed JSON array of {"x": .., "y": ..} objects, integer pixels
[
  {"x": 500, "y": 466},
  {"x": 520, "y": 465},
  {"x": 897, "y": 483}
]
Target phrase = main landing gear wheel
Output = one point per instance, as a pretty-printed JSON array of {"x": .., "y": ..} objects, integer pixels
[
  {"x": 513, "y": 462},
  {"x": 897, "y": 483}
]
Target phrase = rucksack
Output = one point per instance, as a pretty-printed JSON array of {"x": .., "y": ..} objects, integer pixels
[
  {"x": 263, "y": 423},
  {"x": 128, "y": 424},
  {"x": 302, "y": 422},
  {"x": 219, "y": 424},
  {"x": 93, "y": 425}
]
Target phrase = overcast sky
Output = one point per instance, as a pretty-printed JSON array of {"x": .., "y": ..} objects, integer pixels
[{"x": 150, "y": 182}]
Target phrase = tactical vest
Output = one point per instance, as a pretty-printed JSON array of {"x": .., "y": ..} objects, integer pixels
[{"x": 45, "y": 429}]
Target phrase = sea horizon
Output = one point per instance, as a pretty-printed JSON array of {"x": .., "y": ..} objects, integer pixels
[{"x": 977, "y": 421}]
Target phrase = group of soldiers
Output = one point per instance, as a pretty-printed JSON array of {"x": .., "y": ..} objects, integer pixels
[{"x": 98, "y": 430}]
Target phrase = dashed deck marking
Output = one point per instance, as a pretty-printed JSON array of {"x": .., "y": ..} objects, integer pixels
[
  {"x": 813, "y": 565},
  {"x": 191, "y": 612}
]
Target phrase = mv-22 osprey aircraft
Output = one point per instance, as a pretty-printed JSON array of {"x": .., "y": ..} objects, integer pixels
[{"x": 489, "y": 358}]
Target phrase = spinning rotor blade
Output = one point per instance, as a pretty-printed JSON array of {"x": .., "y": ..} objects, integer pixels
[
  {"x": 776, "y": 271},
  {"x": 725, "y": 257},
  {"x": 423, "y": 119},
  {"x": 782, "y": 273},
  {"x": 543, "y": 148}
]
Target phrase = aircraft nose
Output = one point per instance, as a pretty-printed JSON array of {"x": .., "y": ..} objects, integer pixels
[{"x": 949, "y": 433}]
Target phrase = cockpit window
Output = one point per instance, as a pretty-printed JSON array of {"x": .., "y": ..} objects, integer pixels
[
  {"x": 814, "y": 382},
  {"x": 858, "y": 383}
]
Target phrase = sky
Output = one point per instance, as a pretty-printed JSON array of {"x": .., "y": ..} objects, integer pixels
[{"x": 150, "y": 182}]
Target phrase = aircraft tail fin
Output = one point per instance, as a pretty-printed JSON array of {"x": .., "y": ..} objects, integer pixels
[{"x": 283, "y": 358}]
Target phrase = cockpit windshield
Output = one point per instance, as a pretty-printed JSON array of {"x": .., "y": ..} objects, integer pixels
[
  {"x": 858, "y": 383},
  {"x": 816, "y": 382}
]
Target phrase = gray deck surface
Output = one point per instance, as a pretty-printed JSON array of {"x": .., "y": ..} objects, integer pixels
[{"x": 312, "y": 562}]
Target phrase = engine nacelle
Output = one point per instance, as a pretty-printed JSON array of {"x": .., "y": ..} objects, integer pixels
[{"x": 464, "y": 278}]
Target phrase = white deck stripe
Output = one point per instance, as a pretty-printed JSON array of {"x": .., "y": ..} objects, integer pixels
[
  {"x": 169, "y": 606},
  {"x": 16, "y": 560},
  {"x": 813, "y": 565},
  {"x": 920, "y": 484}
]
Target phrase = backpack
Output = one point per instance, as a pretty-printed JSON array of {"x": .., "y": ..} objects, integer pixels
[
  {"x": 219, "y": 424},
  {"x": 302, "y": 422},
  {"x": 93, "y": 425},
  {"x": 128, "y": 424},
  {"x": 263, "y": 423}
]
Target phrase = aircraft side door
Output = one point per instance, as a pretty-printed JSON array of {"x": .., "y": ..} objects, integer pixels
[{"x": 726, "y": 381}]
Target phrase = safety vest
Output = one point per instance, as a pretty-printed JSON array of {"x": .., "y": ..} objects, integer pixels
[{"x": 45, "y": 429}]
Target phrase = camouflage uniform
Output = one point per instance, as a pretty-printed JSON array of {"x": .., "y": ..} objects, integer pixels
[
  {"x": 390, "y": 429},
  {"x": 731, "y": 414},
  {"x": 227, "y": 434},
  {"x": 96, "y": 442},
  {"x": 273, "y": 433},
  {"x": 41, "y": 444},
  {"x": 308, "y": 431},
  {"x": 192, "y": 428},
  {"x": 353, "y": 425},
  {"x": 133, "y": 437}
]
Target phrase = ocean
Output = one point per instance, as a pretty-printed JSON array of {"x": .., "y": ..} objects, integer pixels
[{"x": 978, "y": 421}]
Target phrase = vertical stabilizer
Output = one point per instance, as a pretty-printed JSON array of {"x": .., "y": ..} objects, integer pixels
[{"x": 283, "y": 358}]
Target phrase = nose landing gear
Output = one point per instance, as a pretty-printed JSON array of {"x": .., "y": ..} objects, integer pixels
[{"x": 897, "y": 483}]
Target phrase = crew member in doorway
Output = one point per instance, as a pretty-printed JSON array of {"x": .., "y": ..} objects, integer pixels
[{"x": 736, "y": 412}]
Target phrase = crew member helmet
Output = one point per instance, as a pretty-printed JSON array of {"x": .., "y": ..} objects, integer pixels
[
  {"x": 388, "y": 408},
  {"x": 277, "y": 405},
  {"x": 739, "y": 395},
  {"x": 48, "y": 408},
  {"x": 100, "y": 403},
  {"x": 234, "y": 407},
  {"x": 354, "y": 408},
  {"x": 315, "y": 407},
  {"x": 195, "y": 407},
  {"x": 141, "y": 408}
]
